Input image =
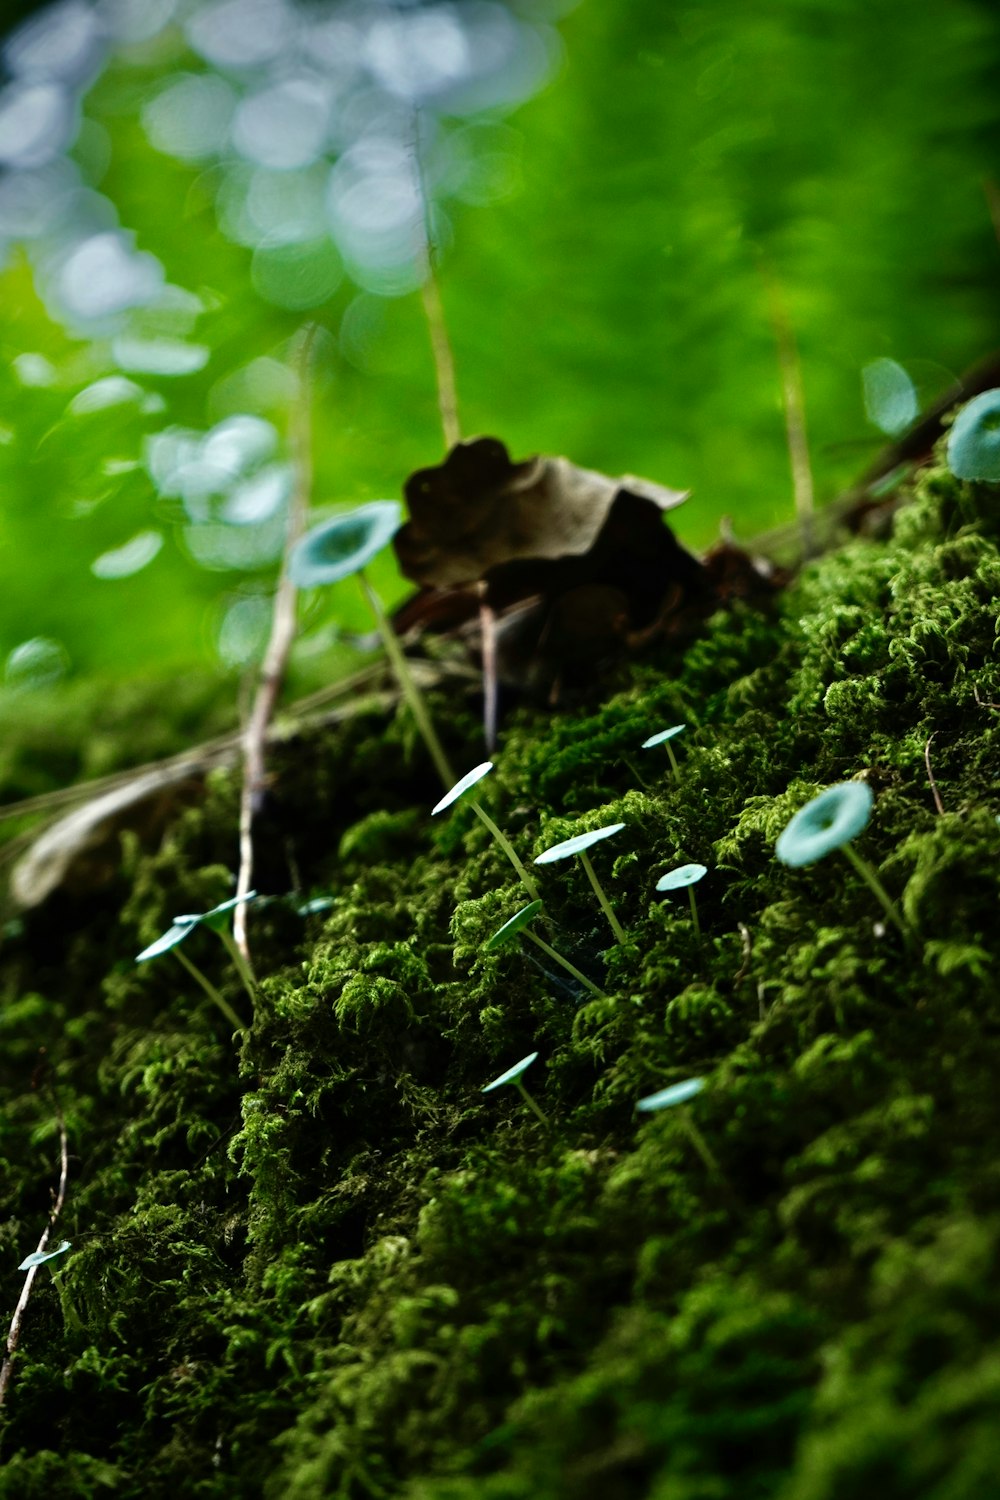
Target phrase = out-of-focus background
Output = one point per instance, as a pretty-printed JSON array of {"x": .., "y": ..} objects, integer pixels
[{"x": 611, "y": 189}]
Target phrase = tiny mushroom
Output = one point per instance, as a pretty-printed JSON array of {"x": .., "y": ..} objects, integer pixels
[
  {"x": 341, "y": 547},
  {"x": 680, "y": 1093},
  {"x": 974, "y": 439},
  {"x": 579, "y": 844},
  {"x": 519, "y": 923},
  {"x": 458, "y": 790},
  {"x": 513, "y": 1075},
  {"x": 663, "y": 738},
  {"x": 676, "y": 1093},
  {"x": 830, "y": 821},
  {"x": 685, "y": 877},
  {"x": 39, "y": 1257}
]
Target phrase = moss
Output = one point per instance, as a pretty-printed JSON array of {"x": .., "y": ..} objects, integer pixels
[{"x": 321, "y": 1263}]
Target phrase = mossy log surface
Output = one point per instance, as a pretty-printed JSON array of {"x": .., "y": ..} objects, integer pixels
[{"x": 315, "y": 1261}]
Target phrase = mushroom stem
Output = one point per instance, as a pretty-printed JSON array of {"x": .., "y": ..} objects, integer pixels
[
  {"x": 508, "y": 849},
  {"x": 674, "y": 765},
  {"x": 570, "y": 968},
  {"x": 694, "y": 914},
  {"x": 529, "y": 1101},
  {"x": 616, "y": 926},
  {"x": 412, "y": 694},
  {"x": 243, "y": 969},
  {"x": 699, "y": 1143},
  {"x": 875, "y": 885},
  {"x": 210, "y": 990}
]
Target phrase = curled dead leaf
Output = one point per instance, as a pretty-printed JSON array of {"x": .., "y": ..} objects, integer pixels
[
  {"x": 478, "y": 511},
  {"x": 575, "y": 568}
]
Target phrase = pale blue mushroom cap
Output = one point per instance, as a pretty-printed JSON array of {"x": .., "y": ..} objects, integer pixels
[
  {"x": 684, "y": 875},
  {"x": 336, "y": 549},
  {"x": 663, "y": 736},
  {"x": 510, "y": 928},
  {"x": 511, "y": 1075},
  {"x": 577, "y": 844},
  {"x": 39, "y": 1257},
  {"x": 974, "y": 439},
  {"x": 833, "y": 818},
  {"x": 462, "y": 785},
  {"x": 677, "y": 1093},
  {"x": 167, "y": 940},
  {"x": 184, "y": 925}
]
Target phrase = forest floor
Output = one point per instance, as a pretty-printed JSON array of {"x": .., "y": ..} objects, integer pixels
[{"x": 314, "y": 1259}]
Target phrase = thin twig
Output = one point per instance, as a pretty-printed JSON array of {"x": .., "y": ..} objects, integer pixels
[
  {"x": 793, "y": 401},
  {"x": 283, "y": 623},
  {"x": 14, "y": 1333},
  {"x": 747, "y": 942},
  {"x": 930, "y": 775},
  {"x": 491, "y": 687}
]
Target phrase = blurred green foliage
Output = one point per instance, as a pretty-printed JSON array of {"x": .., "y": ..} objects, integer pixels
[{"x": 612, "y": 307}]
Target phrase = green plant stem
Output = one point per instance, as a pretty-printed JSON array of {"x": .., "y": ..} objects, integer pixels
[
  {"x": 243, "y": 969},
  {"x": 508, "y": 849},
  {"x": 412, "y": 694},
  {"x": 640, "y": 778},
  {"x": 570, "y": 968},
  {"x": 793, "y": 400},
  {"x": 875, "y": 885},
  {"x": 210, "y": 990},
  {"x": 699, "y": 1143},
  {"x": 616, "y": 926},
  {"x": 694, "y": 914},
  {"x": 530, "y": 1102}
]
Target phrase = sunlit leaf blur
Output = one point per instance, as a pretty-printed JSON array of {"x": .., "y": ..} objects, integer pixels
[{"x": 608, "y": 191}]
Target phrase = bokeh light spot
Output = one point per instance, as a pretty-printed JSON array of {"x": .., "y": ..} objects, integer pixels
[
  {"x": 297, "y": 276},
  {"x": 132, "y": 557}
]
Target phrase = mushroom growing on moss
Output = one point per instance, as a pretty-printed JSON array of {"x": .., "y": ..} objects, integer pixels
[
  {"x": 579, "y": 844},
  {"x": 974, "y": 439},
  {"x": 663, "y": 738},
  {"x": 680, "y": 1093},
  {"x": 513, "y": 1076},
  {"x": 830, "y": 821},
  {"x": 470, "y": 779},
  {"x": 675, "y": 1093},
  {"x": 519, "y": 923},
  {"x": 685, "y": 877},
  {"x": 339, "y": 548}
]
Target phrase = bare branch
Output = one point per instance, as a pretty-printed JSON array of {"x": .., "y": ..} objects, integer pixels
[
  {"x": 930, "y": 776},
  {"x": 14, "y": 1332},
  {"x": 283, "y": 624}
]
